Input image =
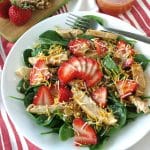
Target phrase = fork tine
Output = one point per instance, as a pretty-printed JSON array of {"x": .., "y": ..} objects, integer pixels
[
  {"x": 78, "y": 17},
  {"x": 77, "y": 22},
  {"x": 75, "y": 27}
]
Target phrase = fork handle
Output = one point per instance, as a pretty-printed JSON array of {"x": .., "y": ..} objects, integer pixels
[{"x": 131, "y": 35}]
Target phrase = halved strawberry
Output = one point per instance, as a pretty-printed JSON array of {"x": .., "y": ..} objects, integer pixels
[
  {"x": 66, "y": 73},
  {"x": 84, "y": 133},
  {"x": 126, "y": 87},
  {"x": 76, "y": 63},
  {"x": 100, "y": 96},
  {"x": 76, "y": 67},
  {"x": 97, "y": 76},
  {"x": 39, "y": 72},
  {"x": 101, "y": 47},
  {"x": 78, "y": 47},
  {"x": 64, "y": 94},
  {"x": 43, "y": 96}
]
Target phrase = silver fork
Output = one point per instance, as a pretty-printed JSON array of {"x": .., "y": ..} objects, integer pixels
[{"x": 84, "y": 23}]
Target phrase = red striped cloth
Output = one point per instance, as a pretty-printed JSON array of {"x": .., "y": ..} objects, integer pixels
[{"x": 138, "y": 16}]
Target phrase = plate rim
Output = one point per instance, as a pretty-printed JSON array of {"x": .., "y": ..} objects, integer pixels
[{"x": 29, "y": 30}]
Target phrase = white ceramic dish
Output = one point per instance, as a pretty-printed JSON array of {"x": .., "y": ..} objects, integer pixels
[{"x": 128, "y": 136}]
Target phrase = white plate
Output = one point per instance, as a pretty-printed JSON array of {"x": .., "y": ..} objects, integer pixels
[{"x": 128, "y": 136}]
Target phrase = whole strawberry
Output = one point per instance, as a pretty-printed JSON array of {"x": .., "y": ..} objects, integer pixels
[
  {"x": 19, "y": 16},
  {"x": 4, "y": 7}
]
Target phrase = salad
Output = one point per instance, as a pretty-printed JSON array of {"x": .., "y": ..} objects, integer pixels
[{"x": 83, "y": 84}]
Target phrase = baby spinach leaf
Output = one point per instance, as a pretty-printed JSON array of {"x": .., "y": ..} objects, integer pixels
[
  {"x": 41, "y": 119},
  {"x": 52, "y": 37},
  {"x": 56, "y": 122},
  {"x": 41, "y": 48},
  {"x": 53, "y": 130},
  {"x": 120, "y": 113},
  {"x": 109, "y": 63},
  {"x": 33, "y": 89},
  {"x": 118, "y": 109},
  {"x": 65, "y": 132},
  {"x": 26, "y": 54},
  {"x": 142, "y": 59},
  {"x": 29, "y": 99},
  {"x": 22, "y": 86}
]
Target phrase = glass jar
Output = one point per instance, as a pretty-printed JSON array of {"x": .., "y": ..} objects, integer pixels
[{"x": 114, "y": 7}]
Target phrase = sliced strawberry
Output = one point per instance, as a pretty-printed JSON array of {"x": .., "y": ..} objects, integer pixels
[
  {"x": 101, "y": 47},
  {"x": 84, "y": 133},
  {"x": 100, "y": 96},
  {"x": 64, "y": 94},
  {"x": 39, "y": 72},
  {"x": 70, "y": 70},
  {"x": 121, "y": 44},
  {"x": 128, "y": 62},
  {"x": 66, "y": 72},
  {"x": 97, "y": 76},
  {"x": 95, "y": 66},
  {"x": 78, "y": 47},
  {"x": 89, "y": 66},
  {"x": 76, "y": 63},
  {"x": 126, "y": 87},
  {"x": 43, "y": 96},
  {"x": 125, "y": 52}
]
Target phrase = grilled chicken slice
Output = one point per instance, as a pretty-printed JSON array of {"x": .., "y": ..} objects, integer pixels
[
  {"x": 69, "y": 33},
  {"x": 44, "y": 109},
  {"x": 102, "y": 34},
  {"x": 52, "y": 59},
  {"x": 142, "y": 105},
  {"x": 138, "y": 76},
  {"x": 91, "y": 109},
  {"x": 68, "y": 109},
  {"x": 23, "y": 72}
]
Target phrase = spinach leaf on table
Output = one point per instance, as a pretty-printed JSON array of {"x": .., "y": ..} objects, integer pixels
[{"x": 52, "y": 37}]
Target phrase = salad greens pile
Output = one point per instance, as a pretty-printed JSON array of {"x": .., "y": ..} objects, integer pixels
[{"x": 49, "y": 85}]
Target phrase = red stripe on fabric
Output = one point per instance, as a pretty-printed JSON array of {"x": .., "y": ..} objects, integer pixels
[
  {"x": 62, "y": 9},
  {"x": 131, "y": 22},
  {"x": 59, "y": 11},
  {"x": 143, "y": 13},
  {"x": 1, "y": 62},
  {"x": 146, "y": 4},
  {"x": 140, "y": 21},
  {"x": 16, "y": 135},
  {"x": 31, "y": 146},
  {"x": 4, "y": 131},
  {"x": 66, "y": 9},
  {"x": 1, "y": 145}
]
